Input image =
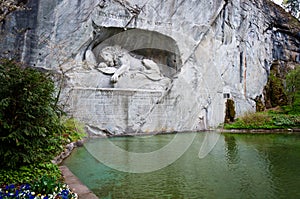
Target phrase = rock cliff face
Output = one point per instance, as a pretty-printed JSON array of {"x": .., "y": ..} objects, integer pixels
[{"x": 204, "y": 52}]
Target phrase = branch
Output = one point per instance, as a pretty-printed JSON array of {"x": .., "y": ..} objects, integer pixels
[{"x": 9, "y": 6}]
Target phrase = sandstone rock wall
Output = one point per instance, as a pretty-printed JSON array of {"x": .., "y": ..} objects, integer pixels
[{"x": 209, "y": 50}]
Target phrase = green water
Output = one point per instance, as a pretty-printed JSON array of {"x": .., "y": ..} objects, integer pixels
[{"x": 239, "y": 166}]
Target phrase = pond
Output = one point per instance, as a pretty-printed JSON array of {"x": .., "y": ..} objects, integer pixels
[{"x": 238, "y": 166}]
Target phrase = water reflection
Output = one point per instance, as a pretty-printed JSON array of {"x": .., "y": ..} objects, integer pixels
[
  {"x": 209, "y": 142},
  {"x": 231, "y": 149},
  {"x": 239, "y": 166}
]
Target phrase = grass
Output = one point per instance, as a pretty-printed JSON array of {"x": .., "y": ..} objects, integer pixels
[{"x": 271, "y": 119}]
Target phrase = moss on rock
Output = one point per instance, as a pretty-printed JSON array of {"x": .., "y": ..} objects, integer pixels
[
  {"x": 274, "y": 91},
  {"x": 230, "y": 111}
]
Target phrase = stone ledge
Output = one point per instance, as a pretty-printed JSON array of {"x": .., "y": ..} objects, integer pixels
[
  {"x": 118, "y": 89},
  {"x": 262, "y": 131},
  {"x": 75, "y": 184}
]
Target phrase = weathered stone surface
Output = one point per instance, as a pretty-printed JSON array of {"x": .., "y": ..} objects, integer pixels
[
  {"x": 207, "y": 50},
  {"x": 75, "y": 185}
]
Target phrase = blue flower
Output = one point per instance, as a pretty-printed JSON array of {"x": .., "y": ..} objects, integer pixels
[
  {"x": 65, "y": 192},
  {"x": 12, "y": 186},
  {"x": 27, "y": 186}
]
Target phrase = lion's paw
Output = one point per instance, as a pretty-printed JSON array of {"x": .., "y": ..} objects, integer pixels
[{"x": 114, "y": 78}]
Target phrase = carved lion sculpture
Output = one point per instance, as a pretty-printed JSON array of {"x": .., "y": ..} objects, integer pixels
[{"x": 118, "y": 61}]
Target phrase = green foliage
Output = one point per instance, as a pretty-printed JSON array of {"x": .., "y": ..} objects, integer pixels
[
  {"x": 28, "y": 174},
  {"x": 293, "y": 91},
  {"x": 265, "y": 120},
  {"x": 283, "y": 121},
  {"x": 74, "y": 130},
  {"x": 46, "y": 184},
  {"x": 251, "y": 121},
  {"x": 39, "y": 174},
  {"x": 30, "y": 128},
  {"x": 286, "y": 116},
  {"x": 276, "y": 92}
]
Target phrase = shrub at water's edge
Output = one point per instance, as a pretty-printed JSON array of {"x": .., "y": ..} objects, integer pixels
[
  {"x": 30, "y": 128},
  {"x": 32, "y": 172},
  {"x": 287, "y": 103},
  {"x": 32, "y": 131},
  {"x": 265, "y": 120}
]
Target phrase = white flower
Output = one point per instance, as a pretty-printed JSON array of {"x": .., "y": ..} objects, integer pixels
[{"x": 50, "y": 196}]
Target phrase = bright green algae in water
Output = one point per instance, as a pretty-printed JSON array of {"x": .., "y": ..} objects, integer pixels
[{"x": 239, "y": 166}]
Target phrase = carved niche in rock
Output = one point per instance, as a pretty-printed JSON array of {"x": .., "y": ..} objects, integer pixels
[{"x": 128, "y": 71}]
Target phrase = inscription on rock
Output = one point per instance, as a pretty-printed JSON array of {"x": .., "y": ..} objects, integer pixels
[{"x": 115, "y": 107}]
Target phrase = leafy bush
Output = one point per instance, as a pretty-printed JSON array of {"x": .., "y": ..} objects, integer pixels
[
  {"x": 30, "y": 128},
  {"x": 286, "y": 121},
  {"x": 28, "y": 174},
  {"x": 46, "y": 185},
  {"x": 293, "y": 91},
  {"x": 265, "y": 120},
  {"x": 74, "y": 130},
  {"x": 258, "y": 120}
]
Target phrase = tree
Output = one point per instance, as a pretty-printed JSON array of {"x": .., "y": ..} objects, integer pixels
[
  {"x": 30, "y": 128},
  {"x": 293, "y": 89},
  {"x": 292, "y": 6}
]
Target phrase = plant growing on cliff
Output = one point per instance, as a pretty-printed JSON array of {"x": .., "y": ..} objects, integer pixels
[
  {"x": 274, "y": 90},
  {"x": 229, "y": 111},
  {"x": 30, "y": 128},
  {"x": 293, "y": 89}
]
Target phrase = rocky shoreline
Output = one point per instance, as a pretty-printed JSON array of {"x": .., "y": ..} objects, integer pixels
[{"x": 67, "y": 151}]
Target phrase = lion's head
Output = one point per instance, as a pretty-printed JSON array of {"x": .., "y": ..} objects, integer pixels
[{"x": 111, "y": 54}]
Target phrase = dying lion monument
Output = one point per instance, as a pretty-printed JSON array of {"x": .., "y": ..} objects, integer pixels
[{"x": 118, "y": 61}]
